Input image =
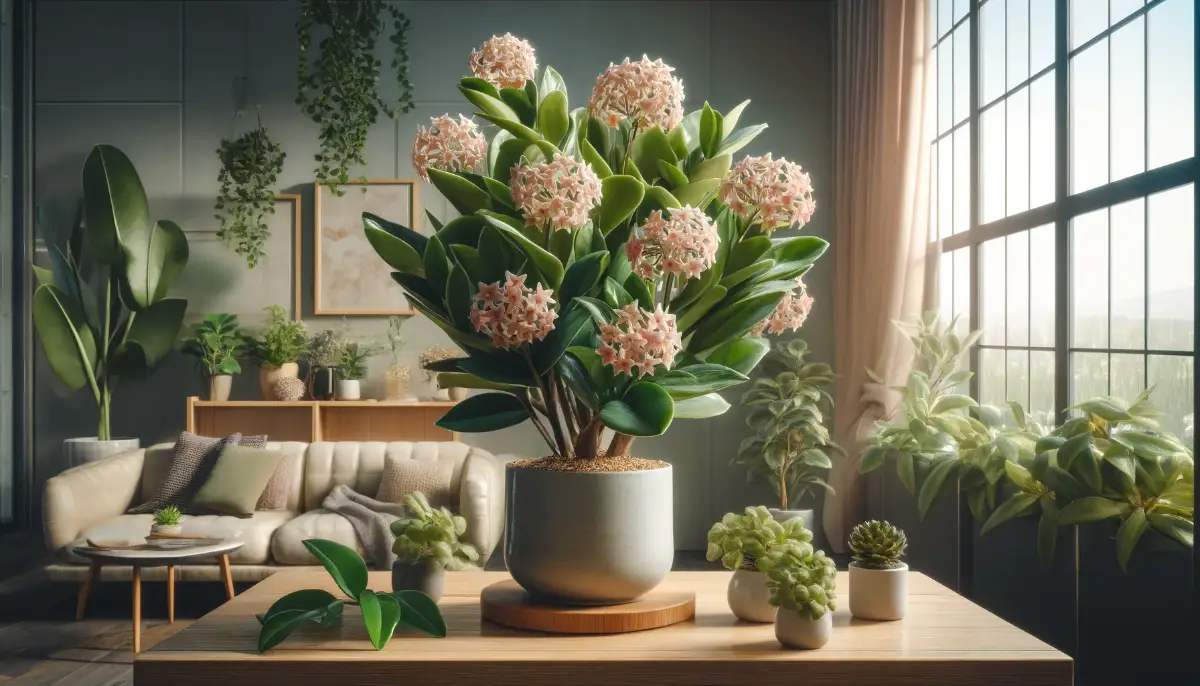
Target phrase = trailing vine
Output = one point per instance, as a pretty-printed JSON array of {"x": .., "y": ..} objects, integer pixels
[
  {"x": 337, "y": 88},
  {"x": 250, "y": 165}
]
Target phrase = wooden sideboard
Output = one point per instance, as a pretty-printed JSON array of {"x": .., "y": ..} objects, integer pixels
[{"x": 309, "y": 421}]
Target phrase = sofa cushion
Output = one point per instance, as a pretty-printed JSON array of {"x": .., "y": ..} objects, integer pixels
[
  {"x": 237, "y": 480},
  {"x": 256, "y": 533},
  {"x": 403, "y": 476},
  {"x": 290, "y": 472},
  {"x": 288, "y": 546},
  {"x": 191, "y": 460},
  {"x": 359, "y": 465}
]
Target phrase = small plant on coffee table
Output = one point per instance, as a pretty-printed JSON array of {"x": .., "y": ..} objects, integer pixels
[
  {"x": 877, "y": 545},
  {"x": 432, "y": 532},
  {"x": 744, "y": 541},
  {"x": 167, "y": 516},
  {"x": 801, "y": 579}
]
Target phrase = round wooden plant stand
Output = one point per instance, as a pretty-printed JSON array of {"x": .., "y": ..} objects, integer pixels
[{"x": 507, "y": 603}]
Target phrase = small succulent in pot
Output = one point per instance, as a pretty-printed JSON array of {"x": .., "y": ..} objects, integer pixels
[
  {"x": 742, "y": 543},
  {"x": 878, "y": 577},
  {"x": 428, "y": 543},
  {"x": 877, "y": 545},
  {"x": 802, "y": 582},
  {"x": 166, "y": 521}
]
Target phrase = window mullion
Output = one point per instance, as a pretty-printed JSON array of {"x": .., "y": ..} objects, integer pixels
[{"x": 1062, "y": 235}]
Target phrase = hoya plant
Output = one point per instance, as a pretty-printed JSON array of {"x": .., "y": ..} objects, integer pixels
[
  {"x": 743, "y": 541},
  {"x": 612, "y": 266}
]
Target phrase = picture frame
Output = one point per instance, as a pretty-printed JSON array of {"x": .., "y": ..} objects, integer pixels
[{"x": 349, "y": 278}]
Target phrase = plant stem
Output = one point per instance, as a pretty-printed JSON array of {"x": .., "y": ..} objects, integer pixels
[
  {"x": 551, "y": 398},
  {"x": 668, "y": 284},
  {"x": 587, "y": 446},
  {"x": 619, "y": 445},
  {"x": 537, "y": 423}
]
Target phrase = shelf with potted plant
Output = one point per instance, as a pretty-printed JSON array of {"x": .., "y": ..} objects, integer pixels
[{"x": 216, "y": 343}]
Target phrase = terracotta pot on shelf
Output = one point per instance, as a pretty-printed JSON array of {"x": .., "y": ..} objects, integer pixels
[{"x": 267, "y": 377}]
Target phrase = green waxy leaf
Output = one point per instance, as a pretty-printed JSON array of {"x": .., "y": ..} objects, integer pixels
[
  {"x": 934, "y": 482},
  {"x": 418, "y": 611},
  {"x": 1092, "y": 509},
  {"x": 1019, "y": 504},
  {"x": 553, "y": 120},
  {"x": 348, "y": 570},
  {"x": 646, "y": 409},
  {"x": 1128, "y": 535},
  {"x": 701, "y": 407},
  {"x": 484, "y": 412},
  {"x": 620, "y": 196},
  {"x": 465, "y": 196},
  {"x": 740, "y": 354}
]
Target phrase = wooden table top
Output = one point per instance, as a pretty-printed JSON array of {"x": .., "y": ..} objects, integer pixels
[{"x": 945, "y": 639}]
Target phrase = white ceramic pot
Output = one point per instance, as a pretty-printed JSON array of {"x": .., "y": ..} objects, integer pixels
[
  {"x": 588, "y": 538},
  {"x": 267, "y": 377},
  {"x": 880, "y": 594},
  {"x": 457, "y": 394},
  {"x": 348, "y": 389},
  {"x": 749, "y": 598},
  {"x": 442, "y": 394},
  {"x": 90, "y": 449},
  {"x": 219, "y": 386},
  {"x": 168, "y": 529},
  {"x": 782, "y": 516},
  {"x": 794, "y": 630}
]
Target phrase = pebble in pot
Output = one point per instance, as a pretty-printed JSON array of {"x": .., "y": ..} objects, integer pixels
[
  {"x": 427, "y": 544},
  {"x": 878, "y": 578},
  {"x": 742, "y": 543},
  {"x": 802, "y": 582}
]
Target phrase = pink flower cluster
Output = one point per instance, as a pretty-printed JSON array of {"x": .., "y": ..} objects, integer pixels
[
  {"x": 776, "y": 192},
  {"x": 639, "y": 341},
  {"x": 448, "y": 145},
  {"x": 789, "y": 314},
  {"x": 559, "y": 193},
  {"x": 513, "y": 313},
  {"x": 504, "y": 61},
  {"x": 684, "y": 245},
  {"x": 644, "y": 91}
]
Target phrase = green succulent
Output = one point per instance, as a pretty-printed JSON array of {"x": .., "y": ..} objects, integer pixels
[
  {"x": 167, "y": 516},
  {"x": 283, "y": 341},
  {"x": 877, "y": 545},
  {"x": 432, "y": 532},
  {"x": 744, "y": 541},
  {"x": 801, "y": 579}
]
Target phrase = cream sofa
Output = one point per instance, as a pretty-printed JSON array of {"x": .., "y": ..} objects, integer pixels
[{"x": 89, "y": 501}]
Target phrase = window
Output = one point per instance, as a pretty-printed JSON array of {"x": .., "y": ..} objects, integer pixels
[{"x": 1075, "y": 257}]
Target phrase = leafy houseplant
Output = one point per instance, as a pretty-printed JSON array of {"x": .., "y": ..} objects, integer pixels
[
  {"x": 166, "y": 521},
  {"x": 337, "y": 89},
  {"x": 250, "y": 165},
  {"x": 742, "y": 544},
  {"x": 802, "y": 582},
  {"x": 611, "y": 270},
  {"x": 216, "y": 342},
  {"x": 878, "y": 577},
  {"x": 381, "y": 612},
  {"x": 101, "y": 311},
  {"x": 430, "y": 359},
  {"x": 352, "y": 367},
  {"x": 278, "y": 348},
  {"x": 791, "y": 442},
  {"x": 428, "y": 543}
]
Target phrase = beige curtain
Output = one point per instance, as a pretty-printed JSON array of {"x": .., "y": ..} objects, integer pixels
[{"x": 883, "y": 102}]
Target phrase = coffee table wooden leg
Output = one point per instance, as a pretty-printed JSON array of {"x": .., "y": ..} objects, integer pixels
[
  {"x": 171, "y": 594},
  {"x": 85, "y": 591},
  {"x": 137, "y": 609},
  {"x": 225, "y": 574}
]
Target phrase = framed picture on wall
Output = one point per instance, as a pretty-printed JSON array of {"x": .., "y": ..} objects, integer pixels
[{"x": 349, "y": 279}]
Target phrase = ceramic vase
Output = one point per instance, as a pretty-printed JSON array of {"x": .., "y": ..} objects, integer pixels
[
  {"x": 79, "y": 451},
  {"x": 267, "y": 377},
  {"x": 879, "y": 594},
  {"x": 425, "y": 575},
  {"x": 782, "y": 516},
  {"x": 457, "y": 394},
  {"x": 348, "y": 389},
  {"x": 395, "y": 387},
  {"x": 166, "y": 529},
  {"x": 749, "y": 598},
  {"x": 219, "y": 386},
  {"x": 321, "y": 385},
  {"x": 795, "y": 630}
]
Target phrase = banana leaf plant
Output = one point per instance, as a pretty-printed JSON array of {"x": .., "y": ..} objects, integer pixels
[
  {"x": 611, "y": 267},
  {"x": 101, "y": 310}
]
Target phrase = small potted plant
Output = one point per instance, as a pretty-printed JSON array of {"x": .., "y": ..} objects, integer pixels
[
  {"x": 398, "y": 375},
  {"x": 432, "y": 356},
  {"x": 216, "y": 343},
  {"x": 878, "y": 578},
  {"x": 278, "y": 350},
  {"x": 802, "y": 582},
  {"x": 427, "y": 544},
  {"x": 351, "y": 368},
  {"x": 742, "y": 543},
  {"x": 166, "y": 522},
  {"x": 323, "y": 354}
]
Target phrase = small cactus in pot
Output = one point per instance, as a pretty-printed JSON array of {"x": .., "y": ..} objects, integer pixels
[
  {"x": 878, "y": 576},
  {"x": 166, "y": 522}
]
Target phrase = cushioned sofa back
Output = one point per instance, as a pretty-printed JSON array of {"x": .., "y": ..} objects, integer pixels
[
  {"x": 360, "y": 465},
  {"x": 158, "y": 462}
]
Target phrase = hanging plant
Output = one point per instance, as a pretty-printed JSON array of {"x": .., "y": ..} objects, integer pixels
[
  {"x": 250, "y": 165},
  {"x": 337, "y": 89}
]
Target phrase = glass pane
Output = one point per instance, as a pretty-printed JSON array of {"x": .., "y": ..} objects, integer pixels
[
  {"x": 1172, "y": 377},
  {"x": 992, "y": 377},
  {"x": 1089, "y": 376},
  {"x": 946, "y": 185},
  {"x": 1088, "y": 18},
  {"x": 991, "y": 48},
  {"x": 933, "y": 15},
  {"x": 1018, "y": 151},
  {"x": 1172, "y": 85},
  {"x": 962, "y": 289},
  {"x": 1172, "y": 269},
  {"x": 1041, "y": 286},
  {"x": 1018, "y": 376},
  {"x": 991, "y": 305},
  {"x": 1128, "y": 100},
  {"x": 1041, "y": 141},
  {"x": 1089, "y": 117},
  {"x": 1041, "y": 387},
  {"x": 933, "y": 193},
  {"x": 962, "y": 176},
  {"x": 991, "y": 168},
  {"x": 1041, "y": 34},
  {"x": 1128, "y": 252},
  {"x": 946, "y": 287},
  {"x": 1089, "y": 280},
  {"x": 1018, "y": 42},
  {"x": 1128, "y": 376},
  {"x": 960, "y": 8},
  {"x": 945, "y": 16},
  {"x": 1017, "y": 321},
  {"x": 962, "y": 71},
  {"x": 1119, "y": 9},
  {"x": 945, "y": 85}
]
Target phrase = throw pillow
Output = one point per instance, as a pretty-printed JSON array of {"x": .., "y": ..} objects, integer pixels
[
  {"x": 189, "y": 458},
  {"x": 282, "y": 483},
  {"x": 237, "y": 480},
  {"x": 433, "y": 478}
]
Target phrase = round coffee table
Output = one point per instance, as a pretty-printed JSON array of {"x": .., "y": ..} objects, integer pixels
[{"x": 151, "y": 557}]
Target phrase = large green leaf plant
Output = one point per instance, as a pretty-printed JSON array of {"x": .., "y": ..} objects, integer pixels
[
  {"x": 101, "y": 310},
  {"x": 560, "y": 382}
]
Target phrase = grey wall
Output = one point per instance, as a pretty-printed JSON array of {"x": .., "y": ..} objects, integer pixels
[{"x": 156, "y": 78}]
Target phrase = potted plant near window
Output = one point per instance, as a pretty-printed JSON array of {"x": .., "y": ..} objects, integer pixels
[
  {"x": 609, "y": 270},
  {"x": 427, "y": 544},
  {"x": 878, "y": 577},
  {"x": 216, "y": 343},
  {"x": 742, "y": 543},
  {"x": 101, "y": 310},
  {"x": 278, "y": 350},
  {"x": 791, "y": 448},
  {"x": 802, "y": 582},
  {"x": 351, "y": 368},
  {"x": 323, "y": 354}
]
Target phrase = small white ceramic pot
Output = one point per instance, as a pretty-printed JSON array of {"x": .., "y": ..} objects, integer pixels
[
  {"x": 457, "y": 394},
  {"x": 167, "y": 529},
  {"x": 749, "y": 598},
  {"x": 348, "y": 389},
  {"x": 79, "y": 451},
  {"x": 219, "y": 386},
  {"x": 794, "y": 630},
  {"x": 879, "y": 594},
  {"x": 782, "y": 516}
]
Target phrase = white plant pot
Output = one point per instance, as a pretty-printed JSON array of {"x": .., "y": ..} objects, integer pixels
[
  {"x": 90, "y": 449},
  {"x": 442, "y": 394},
  {"x": 348, "y": 389},
  {"x": 782, "y": 516},
  {"x": 168, "y": 529},
  {"x": 219, "y": 386},
  {"x": 879, "y": 594},
  {"x": 749, "y": 598},
  {"x": 794, "y": 630}
]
